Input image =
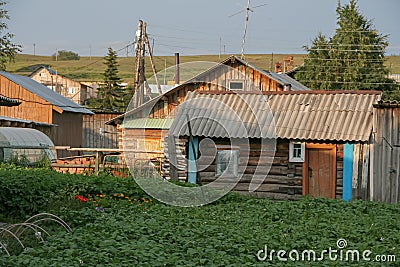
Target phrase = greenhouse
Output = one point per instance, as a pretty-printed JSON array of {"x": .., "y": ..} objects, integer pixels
[{"x": 25, "y": 144}]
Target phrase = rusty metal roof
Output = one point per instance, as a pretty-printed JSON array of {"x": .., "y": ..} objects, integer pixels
[{"x": 312, "y": 115}]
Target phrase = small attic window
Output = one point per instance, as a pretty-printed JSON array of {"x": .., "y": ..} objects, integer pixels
[{"x": 236, "y": 85}]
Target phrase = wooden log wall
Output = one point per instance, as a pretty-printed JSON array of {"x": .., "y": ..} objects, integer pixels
[
  {"x": 177, "y": 155},
  {"x": 282, "y": 181}
]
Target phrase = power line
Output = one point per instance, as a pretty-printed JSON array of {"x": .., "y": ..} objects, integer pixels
[{"x": 370, "y": 83}]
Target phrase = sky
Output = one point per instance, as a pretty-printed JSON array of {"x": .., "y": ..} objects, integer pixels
[{"x": 89, "y": 27}]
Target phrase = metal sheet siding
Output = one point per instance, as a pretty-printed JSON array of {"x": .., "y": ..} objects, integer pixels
[{"x": 306, "y": 116}]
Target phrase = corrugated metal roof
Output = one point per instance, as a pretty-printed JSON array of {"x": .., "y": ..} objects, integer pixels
[
  {"x": 5, "y": 101},
  {"x": 312, "y": 115},
  {"x": 46, "y": 93},
  {"x": 148, "y": 123},
  {"x": 4, "y": 118}
]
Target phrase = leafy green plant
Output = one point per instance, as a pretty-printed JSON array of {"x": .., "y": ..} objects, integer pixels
[{"x": 116, "y": 227}]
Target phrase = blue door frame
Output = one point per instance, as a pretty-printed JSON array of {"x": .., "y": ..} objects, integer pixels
[
  {"x": 348, "y": 151},
  {"x": 192, "y": 168}
]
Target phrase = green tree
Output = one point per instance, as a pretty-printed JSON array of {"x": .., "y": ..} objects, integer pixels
[
  {"x": 111, "y": 96},
  {"x": 8, "y": 49},
  {"x": 66, "y": 55},
  {"x": 353, "y": 59}
]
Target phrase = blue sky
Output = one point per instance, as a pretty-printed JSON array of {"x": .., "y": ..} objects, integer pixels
[{"x": 185, "y": 26}]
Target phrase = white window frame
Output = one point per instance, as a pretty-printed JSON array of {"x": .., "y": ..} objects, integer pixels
[
  {"x": 71, "y": 90},
  {"x": 236, "y": 81},
  {"x": 231, "y": 168},
  {"x": 292, "y": 151}
]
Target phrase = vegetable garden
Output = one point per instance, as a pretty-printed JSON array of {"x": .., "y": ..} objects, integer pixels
[{"x": 115, "y": 223}]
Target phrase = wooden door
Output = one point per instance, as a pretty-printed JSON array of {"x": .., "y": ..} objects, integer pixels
[{"x": 319, "y": 174}]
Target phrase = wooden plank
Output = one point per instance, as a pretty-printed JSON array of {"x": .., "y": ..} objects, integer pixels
[{"x": 364, "y": 174}]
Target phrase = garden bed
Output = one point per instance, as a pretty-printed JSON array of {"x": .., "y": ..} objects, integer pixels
[{"x": 115, "y": 223}]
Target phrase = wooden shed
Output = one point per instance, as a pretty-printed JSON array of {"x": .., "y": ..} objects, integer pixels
[
  {"x": 42, "y": 105},
  {"x": 280, "y": 145},
  {"x": 145, "y": 127}
]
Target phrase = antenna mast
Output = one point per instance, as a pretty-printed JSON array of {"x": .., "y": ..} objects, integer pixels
[{"x": 245, "y": 28}]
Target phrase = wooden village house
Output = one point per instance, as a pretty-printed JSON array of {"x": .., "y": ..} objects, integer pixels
[
  {"x": 145, "y": 127},
  {"x": 59, "y": 117},
  {"x": 323, "y": 141},
  {"x": 73, "y": 90}
]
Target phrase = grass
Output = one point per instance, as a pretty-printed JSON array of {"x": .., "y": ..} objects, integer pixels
[{"x": 91, "y": 69}]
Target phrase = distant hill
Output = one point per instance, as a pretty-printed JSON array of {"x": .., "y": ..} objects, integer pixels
[{"x": 91, "y": 69}]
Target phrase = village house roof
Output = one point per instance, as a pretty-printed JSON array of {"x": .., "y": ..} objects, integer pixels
[
  {"x": 307, "y": 115},
  {"x": 281, "y": 78},
  {"x": 46, "y": 93},
  {"x": 8, "y": 102}
]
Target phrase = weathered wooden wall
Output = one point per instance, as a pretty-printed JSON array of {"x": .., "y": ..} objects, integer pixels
[
  {"x": 385, "y": 184},
  {"x": 91, "y": 131},
  {"x": 216, "y": 80},
  {"x": 32, "y": 107},
  {"x": 68, "y": 131},
  {"x": 282, "y": 181},
  {"x": 174, "y": 164}
]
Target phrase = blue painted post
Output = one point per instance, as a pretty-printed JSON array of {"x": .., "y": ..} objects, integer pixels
[
  {"x": 192, "y": 170},
  {"x": 347, "y": 171}
]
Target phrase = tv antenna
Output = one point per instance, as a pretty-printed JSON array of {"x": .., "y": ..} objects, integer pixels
[{"x": 248, "y": 8}]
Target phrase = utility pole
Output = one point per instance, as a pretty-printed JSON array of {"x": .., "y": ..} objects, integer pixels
[
  {"x": 153, "y": 66},
  {"x": 34, "y": 49},
  {"x": 90, "y": 52},
  {"x": 138, "y": 85},
  {"x": 220, "y": 46}
]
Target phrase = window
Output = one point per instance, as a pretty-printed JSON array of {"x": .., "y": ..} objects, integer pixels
[
  {"x": 236, "y": 85},
  {"x": 43, "y": 75},
  {"x": 227, "y": 162},
  {"x": 71, "y": 90},
  {"x": 296, "y": 151}
]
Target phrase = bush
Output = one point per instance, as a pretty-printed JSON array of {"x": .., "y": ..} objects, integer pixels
[{"x": 25, "y": 192}]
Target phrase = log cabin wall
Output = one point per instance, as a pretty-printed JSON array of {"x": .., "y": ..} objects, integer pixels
[{"x": 282, "y": 181}]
